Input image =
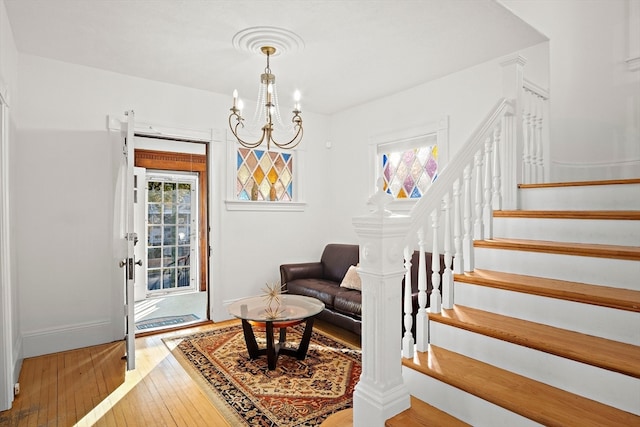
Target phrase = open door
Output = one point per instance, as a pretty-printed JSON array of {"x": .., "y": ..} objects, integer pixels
[
  {"x": 130, "y": 238},
  {"x": 139, "y": 215}
]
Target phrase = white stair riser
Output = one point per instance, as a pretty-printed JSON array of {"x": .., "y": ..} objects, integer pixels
[
  {"x": 604, "y": 322},
  {"x": 596, "y": 271},
  {"x": 611, "y": 388},
  {"x": 606, "y": 232},
  {"x": 595, "y": 197},
  {"x": 460, "y": 404}
]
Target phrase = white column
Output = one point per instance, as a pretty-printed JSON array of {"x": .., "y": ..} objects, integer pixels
[
  {"x": 539, "y": 140},
  {"x": 497, "y": 179},
  {"x": 527, "y": 137},
  {"x": 422, "y": 320},
  {"x": 447, "y": 274},
  {"x": 435, "y": 301},
  {"x": 487, "y": 208},
  {"x": 457, "y": 229},
  {"x": 478, "y": 228},
  {"x": 467, "y": 239},
  {"x": 512, "y": 82},
  {"x": 381, "y": 393},
  {"x": 407, "y": 340}
]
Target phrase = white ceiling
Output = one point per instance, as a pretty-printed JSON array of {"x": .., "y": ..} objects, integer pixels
[{"x": 354, "y": 50}]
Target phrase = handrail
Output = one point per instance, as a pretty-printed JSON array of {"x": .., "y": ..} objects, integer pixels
[{"x": 432, "y": 198}]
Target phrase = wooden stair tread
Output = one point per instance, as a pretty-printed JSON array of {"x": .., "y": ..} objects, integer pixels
[
  {"x": 605, "y": 296},
  {"x": 532, "y": 399},
  {"x": 581, "y": 183},
  {"x": 421, "y": 414},
  {"x": 620, "y": 215},
  {"x": 565, "y": 248},
  {"x": 600, "y": 352}
]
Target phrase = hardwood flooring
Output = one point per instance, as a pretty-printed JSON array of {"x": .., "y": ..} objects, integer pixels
[{"x": 90, "y": 386}]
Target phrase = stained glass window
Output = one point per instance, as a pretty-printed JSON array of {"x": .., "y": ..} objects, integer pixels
[
  {"x": 407, "y": 174},
  {"x": 264, "y": 175}
]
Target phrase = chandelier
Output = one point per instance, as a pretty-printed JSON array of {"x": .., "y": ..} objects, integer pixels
[{"x": 266, "y": 111}]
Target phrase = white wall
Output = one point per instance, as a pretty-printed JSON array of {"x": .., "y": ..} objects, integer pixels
[
  {"x": 65, "y": 184},
  {"x": 464, "y": 97},
  {"x": 595, "y": 97},
  {"x": 10, "y": 338}
]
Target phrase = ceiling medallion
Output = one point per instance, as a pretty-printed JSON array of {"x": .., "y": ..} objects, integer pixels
[{"x": 253, "y": 39}]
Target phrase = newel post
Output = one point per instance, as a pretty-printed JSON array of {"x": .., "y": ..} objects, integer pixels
[
  {"x": 512, "y": 148},
  {"x": 381, "y": 393}
]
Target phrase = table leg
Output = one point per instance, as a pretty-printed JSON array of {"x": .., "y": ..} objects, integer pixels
[
  {"x": 250, "y": 339},
  {"x": 306, "y": 338},
  {"x": 283, "y": 335},
  {"x": 271, "y": 350}
]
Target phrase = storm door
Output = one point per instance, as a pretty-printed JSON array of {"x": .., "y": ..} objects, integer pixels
[{"x": 172, "y": 232}]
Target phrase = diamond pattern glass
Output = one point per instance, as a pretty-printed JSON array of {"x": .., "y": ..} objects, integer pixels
[
  {"x": 264, "y": 175},
  {"x": 408, "y": 174}
]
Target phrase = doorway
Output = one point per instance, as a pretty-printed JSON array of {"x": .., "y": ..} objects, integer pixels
[{"x": 172, "y": 289}]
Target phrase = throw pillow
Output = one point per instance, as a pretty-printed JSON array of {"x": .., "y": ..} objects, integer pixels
[{"x": 351, "y": 279}]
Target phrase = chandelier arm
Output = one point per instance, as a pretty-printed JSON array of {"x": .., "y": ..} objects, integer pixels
[
  {"x": 234, "y": 130},
  {"x": 293, "y": 143}
]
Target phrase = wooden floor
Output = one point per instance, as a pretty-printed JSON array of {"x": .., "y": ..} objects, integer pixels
[{"x": 89, "y": 386}]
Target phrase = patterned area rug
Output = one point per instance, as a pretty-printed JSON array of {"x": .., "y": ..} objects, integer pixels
[{"x": 297, "y": 393}]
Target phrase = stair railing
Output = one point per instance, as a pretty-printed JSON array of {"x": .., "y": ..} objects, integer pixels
[
  {"x": 386, "y": 239},
  {"x": 457, "y": 209},
  {"x": 460, "y": 203}
]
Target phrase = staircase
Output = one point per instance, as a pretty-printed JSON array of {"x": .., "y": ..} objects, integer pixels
[{"x": 546, "y": 329}]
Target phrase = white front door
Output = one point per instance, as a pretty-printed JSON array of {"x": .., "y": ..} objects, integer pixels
[
  {"x": 129, "y": 237},
  {"x": 139, "y": 217}
]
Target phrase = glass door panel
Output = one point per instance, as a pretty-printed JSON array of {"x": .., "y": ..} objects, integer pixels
[{"x": 172, "y": 232}]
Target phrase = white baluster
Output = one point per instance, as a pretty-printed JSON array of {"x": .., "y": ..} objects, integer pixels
[
  {"x": 478, "y": 228},
  {"x": 447, "y": 274},
  {"x": 526, "y": 153},
  {"x": 533, "y": 136},
  {"x": 497, "y": 178},
  {"x": 458, "y": 266},
  {"x": 487, "y": 209},
  {"x": 422, "y": 321},
  {"x": 435, "y": 305},
  {"x": 407, "y": 340},
  {"x": 539, "y": 145},
  {"x": 467, "y": 240}
]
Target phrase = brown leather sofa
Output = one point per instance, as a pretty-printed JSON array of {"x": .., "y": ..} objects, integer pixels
[{"x": 321, "y": 280}]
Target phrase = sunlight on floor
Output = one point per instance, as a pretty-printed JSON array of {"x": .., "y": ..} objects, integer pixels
[
  {"x": 146, "y": 307},
  {"x": 132, "y": 378}
]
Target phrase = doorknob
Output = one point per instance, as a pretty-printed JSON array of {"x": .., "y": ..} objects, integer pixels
[
  {"x": 122, "y": 263},
  {"x": 139, "y": 262}
]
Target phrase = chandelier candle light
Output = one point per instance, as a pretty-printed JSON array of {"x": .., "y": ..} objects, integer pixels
[{"x": 268, "y": 98}]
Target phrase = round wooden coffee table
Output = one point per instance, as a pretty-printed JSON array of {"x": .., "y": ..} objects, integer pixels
[{"x": 293, "y": 310}]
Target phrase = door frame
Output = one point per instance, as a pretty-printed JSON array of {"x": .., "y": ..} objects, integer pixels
[
  {"x": 7, "y": 367},
  {"x": 184, "y": 162}
]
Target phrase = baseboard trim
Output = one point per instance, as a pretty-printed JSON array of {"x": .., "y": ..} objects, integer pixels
[{"x": 68, "y": 337}]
